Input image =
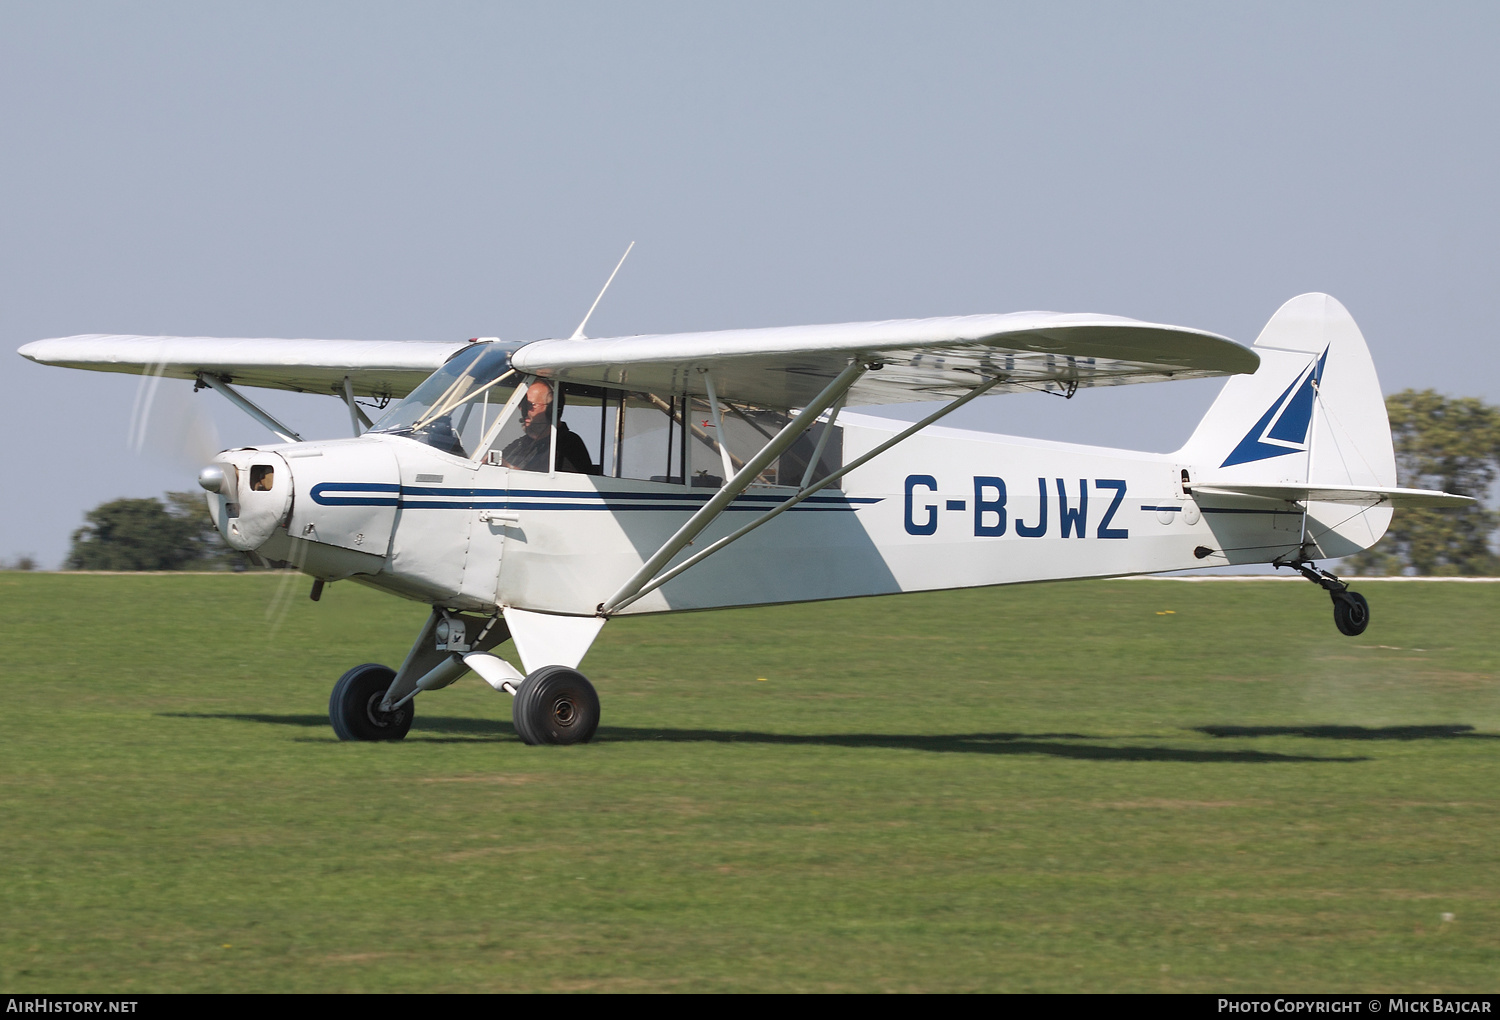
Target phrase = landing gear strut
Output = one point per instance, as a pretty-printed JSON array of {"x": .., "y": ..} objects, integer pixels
[{"x": 1351, "y": 613}]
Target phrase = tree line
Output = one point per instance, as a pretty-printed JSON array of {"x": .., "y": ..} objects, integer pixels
[
  {"x": 1447, "y": 443},
  {"x": 152, "y": 534}
]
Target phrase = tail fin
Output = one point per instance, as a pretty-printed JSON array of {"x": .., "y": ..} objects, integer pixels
[{"x": 1313, "y": 413}]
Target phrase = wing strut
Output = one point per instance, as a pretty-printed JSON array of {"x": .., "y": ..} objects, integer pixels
[
  {"x": 718, "y": 416},
  {"x": 817, "y": 454},
  {"x": 355, "y": 414},
  {"x": 245, "y": 404},
  {"x": 632, "y": 589},
  {"x": 618, "y": 603}
]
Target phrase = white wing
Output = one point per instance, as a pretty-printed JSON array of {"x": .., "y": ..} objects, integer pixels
[
  {"x": 922, "y": 359},
  {"x": 380, "y": 368}
]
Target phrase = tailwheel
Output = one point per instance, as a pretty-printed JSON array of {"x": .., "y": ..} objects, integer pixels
[
  {"x": 1351, "y": 613},
  {"x": 354, "y": 707},
  {"x": 556, "y": 705}
]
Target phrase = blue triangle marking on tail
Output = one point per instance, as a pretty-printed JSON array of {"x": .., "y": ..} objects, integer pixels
[{"x": 1285, "y": 422}]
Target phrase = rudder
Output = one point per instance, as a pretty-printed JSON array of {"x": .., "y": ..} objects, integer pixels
[{"x": 1313, "y": 413}]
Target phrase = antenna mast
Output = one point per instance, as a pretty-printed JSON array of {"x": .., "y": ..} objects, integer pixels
[{"x": 578, "y": 333}]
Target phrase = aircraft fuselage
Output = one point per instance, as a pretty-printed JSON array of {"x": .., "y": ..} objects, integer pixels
[{"x": 948, "y": 508}]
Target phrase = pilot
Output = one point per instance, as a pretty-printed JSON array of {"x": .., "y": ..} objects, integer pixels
[{"x": 529, "y": 452}]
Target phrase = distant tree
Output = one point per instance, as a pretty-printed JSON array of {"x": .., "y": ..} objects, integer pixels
[
  {"x": 147, "y": 534},
  {"x": 213, "y": 553},
  {"x": 1448, "y": 443},
  {"x": 22, "y": 562}
]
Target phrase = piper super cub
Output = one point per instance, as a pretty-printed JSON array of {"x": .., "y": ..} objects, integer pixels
[{"x": 531, "y": 491}]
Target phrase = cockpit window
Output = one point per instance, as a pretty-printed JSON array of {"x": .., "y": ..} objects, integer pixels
[{"x": 456, "y": 405}]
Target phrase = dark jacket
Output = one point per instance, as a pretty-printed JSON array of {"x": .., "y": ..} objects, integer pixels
[{"x": 529, "y": 453}]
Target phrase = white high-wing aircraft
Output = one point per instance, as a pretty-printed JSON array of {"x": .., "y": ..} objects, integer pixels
[{"x": 532, "y": 491}]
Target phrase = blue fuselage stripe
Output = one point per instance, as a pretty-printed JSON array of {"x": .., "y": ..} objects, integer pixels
[{"x": 421, "y": 498}]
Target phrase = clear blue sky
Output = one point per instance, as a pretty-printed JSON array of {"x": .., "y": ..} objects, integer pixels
[{"x": 370, "y": 170}]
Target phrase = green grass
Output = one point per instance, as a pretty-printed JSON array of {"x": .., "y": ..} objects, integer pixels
[{"x": 1049, "y": 787}]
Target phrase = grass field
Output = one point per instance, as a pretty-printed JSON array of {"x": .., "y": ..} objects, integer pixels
[{"x": 1103, "y": 786}]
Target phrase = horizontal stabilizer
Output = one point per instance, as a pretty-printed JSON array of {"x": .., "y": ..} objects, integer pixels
[{"x": 1356, "y": 495}]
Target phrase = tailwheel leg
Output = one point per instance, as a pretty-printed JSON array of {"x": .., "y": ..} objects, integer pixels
[{"x": 1351, "y": 613}]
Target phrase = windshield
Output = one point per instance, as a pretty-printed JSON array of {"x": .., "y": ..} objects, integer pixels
[{"x": 457, "y": 404}]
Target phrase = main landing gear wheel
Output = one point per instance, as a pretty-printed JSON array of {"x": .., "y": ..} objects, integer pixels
[
  {"x": 354, "y": 706},
  {"x": 1351, "y": 613},
  {"x": 556, "y": 705}
]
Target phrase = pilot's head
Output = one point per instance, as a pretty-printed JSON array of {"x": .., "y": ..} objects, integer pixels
[{"x": 536, "y": 408}]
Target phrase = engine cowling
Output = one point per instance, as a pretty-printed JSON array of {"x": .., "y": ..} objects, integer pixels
[{"x": 249, "y": 495}]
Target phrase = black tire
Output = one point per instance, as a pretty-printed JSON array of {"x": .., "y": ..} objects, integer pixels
[
  {"x": 556, "y": 705},
  {"x": 1351, "y": 613},
  {"x": 354, "y": 706}
]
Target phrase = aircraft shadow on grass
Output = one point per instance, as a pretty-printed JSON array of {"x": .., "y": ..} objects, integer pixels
[
  {"x": 441, "y": 729},
  {"x": 1453, "y": 731}
]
